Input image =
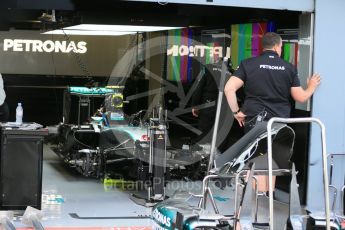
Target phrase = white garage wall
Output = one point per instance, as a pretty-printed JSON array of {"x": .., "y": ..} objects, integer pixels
[
  {"x": 329, "y": 100},
  {"x": 298, "y": 5}
]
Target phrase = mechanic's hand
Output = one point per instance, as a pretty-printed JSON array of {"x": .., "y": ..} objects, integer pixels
[
  {"x": 240, "y": 116},
  {"x": 314, "y": 81},
  {"x": 195, "y": 112}
]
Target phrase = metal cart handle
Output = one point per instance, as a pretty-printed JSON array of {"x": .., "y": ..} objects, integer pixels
[{"x": 324, "y": 162}]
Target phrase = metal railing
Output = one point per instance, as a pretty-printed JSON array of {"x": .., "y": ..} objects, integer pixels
[{"x": 324, "y": 163}]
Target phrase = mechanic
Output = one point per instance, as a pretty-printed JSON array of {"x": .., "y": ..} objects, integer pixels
[
  {"x": 269, "y": 84},
  {"x": 204, "y": 99},
  {"x": 4, "y": 111}
]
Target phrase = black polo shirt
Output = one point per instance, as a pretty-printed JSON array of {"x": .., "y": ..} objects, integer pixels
[{"x": 267, "y": 83}]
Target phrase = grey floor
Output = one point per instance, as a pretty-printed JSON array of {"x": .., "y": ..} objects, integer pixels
[{"x": 65, "y": 192}]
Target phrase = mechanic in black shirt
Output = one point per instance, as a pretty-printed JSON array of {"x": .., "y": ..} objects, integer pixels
[
  {"x": 269, "y": 84},
  {"x": 204, "y": 99}
]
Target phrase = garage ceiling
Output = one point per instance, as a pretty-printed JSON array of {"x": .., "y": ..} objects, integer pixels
[{"x": 27, "y": 14}]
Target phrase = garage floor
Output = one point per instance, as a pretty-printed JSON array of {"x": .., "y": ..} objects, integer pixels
[{"x": 66, "y": 192}]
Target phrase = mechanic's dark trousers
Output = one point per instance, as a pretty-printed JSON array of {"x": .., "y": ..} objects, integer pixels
[
  {"x": 262, "y": 181},
  {"x": 4, "y": 112},
  {"x": 205, "y": 125}
]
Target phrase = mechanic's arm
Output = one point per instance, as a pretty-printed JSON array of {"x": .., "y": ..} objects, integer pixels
[
  {"x": 232, "y": 85},
  {"x": 197, "y": 94},
  {"x": 302, "y": 95}
]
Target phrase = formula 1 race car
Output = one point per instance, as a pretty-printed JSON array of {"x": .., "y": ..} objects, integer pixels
[{"x": 122, "y": 151}]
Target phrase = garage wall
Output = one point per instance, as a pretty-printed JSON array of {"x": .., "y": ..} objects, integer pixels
[
  {"x": 328, "y": 101},
  {"x": 304, "y": 5},
  {"x": 101, "y": 55}
]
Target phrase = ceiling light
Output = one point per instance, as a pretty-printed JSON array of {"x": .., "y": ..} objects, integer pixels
[
  {"x": 107, "y": 30},
  {"x": 130, "y": 28}
]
